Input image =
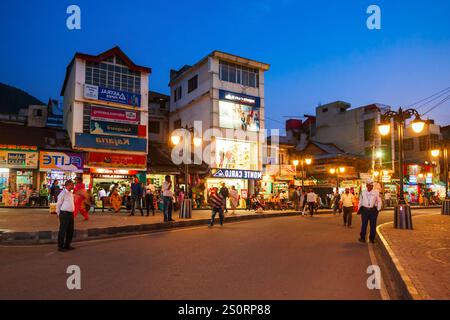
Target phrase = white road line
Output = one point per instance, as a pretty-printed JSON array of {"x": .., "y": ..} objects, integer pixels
[{"x": 383, "y": 291}]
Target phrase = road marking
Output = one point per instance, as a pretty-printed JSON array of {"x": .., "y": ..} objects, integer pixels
[{"x": 383, "y": 291}]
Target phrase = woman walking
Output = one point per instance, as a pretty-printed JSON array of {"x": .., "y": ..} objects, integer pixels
[{"x": 234, "y": 199}]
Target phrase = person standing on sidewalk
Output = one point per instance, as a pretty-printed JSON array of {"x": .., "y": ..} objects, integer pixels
[
  {"x": 136, "y": 196},
  {"x": 43, "y": 196},
  {"x": 149, "y": 195},
  {"x": 336, "y": 201},
  {"x": 225, "y": 193},
  {"x": 54, "y": 191},
  {"x": 167, "y": 199},
  {"x": 311, "y": 198},
  {"x": 296, "y": 199},
  {"x": 65, "y": 208},
  {"x": 369, "y": 207},
  {"x": 347, "y": 203},
  {"x": 217, "y": 202},
  {"x": 79, "y": 195},
  {"x": 234, "y": 199}
]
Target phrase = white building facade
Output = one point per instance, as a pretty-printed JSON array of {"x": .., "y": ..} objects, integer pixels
[
  {"x": 225, "y": 93},
  {"x": 106, "y": 115}
]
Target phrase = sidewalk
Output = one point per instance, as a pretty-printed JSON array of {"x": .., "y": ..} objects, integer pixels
[
  {"x": 421, "y": 256},
  {"x": 37, "y": 226}
]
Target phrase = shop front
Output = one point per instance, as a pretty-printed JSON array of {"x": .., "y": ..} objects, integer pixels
[
  {"x": 105, "y": 170},
  {"x": 18, "y": 174},
  {"x": 59, "y": 166}
]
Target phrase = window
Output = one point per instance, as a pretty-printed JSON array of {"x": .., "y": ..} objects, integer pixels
[
  {"x": 193, "y": 83},
  {"x": 434, "y": 141},
  {"x": 37, "y": 113},
  {"x": 177, "y": 94},
  {"x": 239, "y": 74},
  {"x": 408, "y": 144},
  {"x": 369, "y": 129},
  {"x": 154, "y": 127},
  {"x": 424, "y": 143},
  {"x": 112, "y": 73},
  {"x": 177, "y": 124}
]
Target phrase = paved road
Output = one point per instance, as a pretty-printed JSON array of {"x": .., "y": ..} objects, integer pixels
[{"x": 277, "y": 258}]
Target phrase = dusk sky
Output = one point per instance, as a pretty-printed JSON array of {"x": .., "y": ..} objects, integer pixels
[{"x": 319, "y": 51}]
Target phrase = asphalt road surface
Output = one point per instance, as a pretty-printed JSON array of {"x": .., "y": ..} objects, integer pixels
[{"x": 277, "y": 258}]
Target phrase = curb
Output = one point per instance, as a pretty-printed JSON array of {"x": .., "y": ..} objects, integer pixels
[
  {"x": 404, "y": 283},
  {"x": 50, "y": 237}
]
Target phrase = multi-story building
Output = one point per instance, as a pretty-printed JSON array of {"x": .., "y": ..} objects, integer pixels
[
  {"x": 225, "y": 93},
  {"x": 106, "y": 115}
]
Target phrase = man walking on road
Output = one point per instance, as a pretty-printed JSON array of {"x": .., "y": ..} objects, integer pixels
[
  {"x": 347, "y": 203},
  {"x": 369, "y": 206},
  {"x": 311, "y": 198},
  {"x": 65, "y": 208},
  {"x": 136, "y": 196},
  {"x": 217, "y": 202}
]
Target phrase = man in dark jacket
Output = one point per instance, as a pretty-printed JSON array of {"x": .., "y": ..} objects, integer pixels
[
  {"x": 224, "y": 193},
  {"x": 136, "y": 196},
  {"x": 217, "y": 202}
]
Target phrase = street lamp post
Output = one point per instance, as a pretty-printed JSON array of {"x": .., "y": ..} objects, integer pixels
[
  {"x": 186, "y": 207},
  {"x": 336, "y": 171},
  {"x": 402, "y": 212},
  {"x": 302, "y": 162},
  {"x": 436, "y": 153}
]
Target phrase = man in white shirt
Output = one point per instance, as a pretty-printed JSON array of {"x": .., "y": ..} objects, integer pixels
[
  {"x": 369, "y": 206},
  {"x": 167, "y": 199},
  {"x": 347, "y": 202},
  {"x": 311, "y": 198},
  {"x": 65, "y": 207}
]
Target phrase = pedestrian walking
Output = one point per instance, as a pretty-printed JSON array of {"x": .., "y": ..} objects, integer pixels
[
  {"x": 347, "y": 202},
  {"x": 102, "y": 196},
  {"x": 369, "y": 207},
  {"x": 149, "y": 197},
  {"x": 65, "y": 208},
  {"x": 217, "y": 203},
  {"x": 136, "y": 196},
  {"x": 80, "y": 195},
  {"x": 311, "y": 198},
  {"x": 336, "y": 201},
  {"x": 225, "y": 193},
  {"x": 296, "y": 199},
  {"x": 234, "y": 199},
  {"x": 387, "y": 198},
  {"x": 167, "y": 199}
]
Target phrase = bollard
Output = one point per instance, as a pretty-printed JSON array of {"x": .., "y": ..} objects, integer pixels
[
  {"x": 446, "y": 207},
  {"x": 403, "y": 217},
  {"x": 186, "y": 209}
]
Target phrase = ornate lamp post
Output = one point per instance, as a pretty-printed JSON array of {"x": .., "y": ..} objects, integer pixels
[
  {"x": 336, "y": 171},
  {"x": 402, "y": 212},
  {"x": 186, "y": 208},
  {"x": 436, "y": 153},
  {"x": 302, "y": 162}
]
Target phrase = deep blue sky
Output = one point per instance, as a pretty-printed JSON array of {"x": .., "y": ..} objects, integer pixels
[{"x": 319, "y": 51}]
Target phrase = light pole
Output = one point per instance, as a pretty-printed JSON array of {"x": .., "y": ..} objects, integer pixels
[
  {"x": 436, "y": 153},
  {"x": 402, "y": 212},
  {"x": 302, "y": 162},
  {"x": 186, "y": 208},
  {"x": 336, "y": 171}
]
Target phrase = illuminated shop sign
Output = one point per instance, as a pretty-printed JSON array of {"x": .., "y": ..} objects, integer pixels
[
  {"x": 114, "y": 115},
  {"x": 239, "y": 98},
  {"x": 84, "y": 140},
  {"x": 64, "y": 161},
  {"x": 112, "y": 95},
  {"x": 237, "y": 174}
]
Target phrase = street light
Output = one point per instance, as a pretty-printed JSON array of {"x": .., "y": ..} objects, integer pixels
[
  {"x": 402, "y": 212},
  {"x": 197, "y": 141},
  {"x": 336, "y": 171},
  {"x": 302, "y": 162},
  {"x": 436, "y": 153}
]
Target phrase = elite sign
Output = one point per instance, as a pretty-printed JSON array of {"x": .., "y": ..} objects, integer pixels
[
  {"x": 63, "y": 161},
  {"x": 236, "y": 174}
]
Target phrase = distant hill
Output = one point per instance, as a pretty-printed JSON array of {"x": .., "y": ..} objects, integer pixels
[{"x": 12, "y": 99}]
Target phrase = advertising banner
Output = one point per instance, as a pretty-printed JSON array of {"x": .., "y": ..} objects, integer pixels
[
  {"x": 18, "y": 159},
  {"x": 239, "y": 98},
  {"x": 114, "y": 115},
  {"x": 102, "y": 127},
  {"x": 238, "y": 117},
  {"x": 63, "y": 161},
  {"x": 85, "y": 140},
  {"x": 113, "y": 160},
  {"x": 112, "y": 95}
]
